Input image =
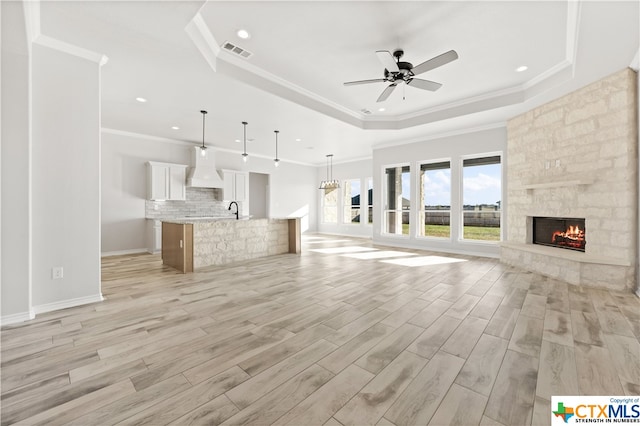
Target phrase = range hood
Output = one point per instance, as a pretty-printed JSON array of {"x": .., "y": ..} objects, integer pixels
[{"x": 203, "y": 174}]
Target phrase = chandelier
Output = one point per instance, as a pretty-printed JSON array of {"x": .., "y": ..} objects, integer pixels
[{"x": 330, "y": 183}]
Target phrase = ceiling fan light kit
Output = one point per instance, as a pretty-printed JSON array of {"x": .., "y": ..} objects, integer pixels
[{"x": 396, "y": 71}]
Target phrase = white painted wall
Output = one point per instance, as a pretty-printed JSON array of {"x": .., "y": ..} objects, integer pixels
[
  {"x": 291, "y": 186},
  {"x": 15, "y": 194},
  {"x": 65, "y": 178},
  {"x": 454, "y": 147},
  {"x": 124, "y": 185},
  {"x": 362, "y": 170}
]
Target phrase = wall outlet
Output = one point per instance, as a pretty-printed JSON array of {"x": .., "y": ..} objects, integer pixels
[
  {"x": 56, "y": 272},
  {"x": 557, "y": 163}
]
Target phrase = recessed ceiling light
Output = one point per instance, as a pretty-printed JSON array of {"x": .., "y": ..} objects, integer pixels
[
  {"x": 522, "y": 68},
  {"x": 143, "y": 100},
  {"x": 243, "y": 34},
  {"x": 238, "y": 140},
  {"x": 382, "y": 109},
  {"x": 298, "y": 140},
  {"x": 175, "y": 127}
]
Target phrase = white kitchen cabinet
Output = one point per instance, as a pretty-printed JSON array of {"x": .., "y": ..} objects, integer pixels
[
  {"x": 166, "y": 181},
  {"x": 236, "y": 185}
]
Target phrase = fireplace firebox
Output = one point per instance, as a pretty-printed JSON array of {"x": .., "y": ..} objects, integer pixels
[{"x": 567, "y": 233}]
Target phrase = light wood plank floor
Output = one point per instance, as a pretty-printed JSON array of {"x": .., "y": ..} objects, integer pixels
[{"x": 348, "y": 334}]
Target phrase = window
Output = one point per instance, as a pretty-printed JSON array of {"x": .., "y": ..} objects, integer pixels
[
  {"x": 330, "y": 205},
  {"x": 351, "y": 201},
  {"x": 481, "y": 198},
  {"x": 397, "y": 200},
  {"x": 370, "y": 200},
  {"x": 435, "y": 200}
]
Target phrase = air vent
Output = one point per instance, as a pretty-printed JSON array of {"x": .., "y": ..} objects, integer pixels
[{"x": 236, "y": 50}]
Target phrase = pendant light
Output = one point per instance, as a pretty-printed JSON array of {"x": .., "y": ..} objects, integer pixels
[
  {"x": 276, "y": 160},
  {"x": 203, "y": 148},
  {"x": 330, "y": 183},
  {"x": 245, "y": 156}
]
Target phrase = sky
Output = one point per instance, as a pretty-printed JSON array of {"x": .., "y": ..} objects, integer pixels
[{"x": 481, "y": 185}]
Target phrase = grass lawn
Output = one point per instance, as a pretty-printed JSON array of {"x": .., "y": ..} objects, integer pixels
[
  {"x": 484, "y": 233},
  {"x": 481, "y": 233}
]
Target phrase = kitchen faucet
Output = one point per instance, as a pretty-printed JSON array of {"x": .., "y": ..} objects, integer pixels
[{"x": 232, "y": 203}]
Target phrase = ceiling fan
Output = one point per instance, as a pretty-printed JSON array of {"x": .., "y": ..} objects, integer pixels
[{"x": 396, "y": 72}]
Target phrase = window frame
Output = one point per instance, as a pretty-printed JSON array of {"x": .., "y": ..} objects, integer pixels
[
  {"x": 344, "y": 184},
  {"x": 460, "y": 237},
  {"x": 323, "y": 205},
  {"x": 420, "y": 208},
  {"x": 385, "y": 197},
  {"x": 369, "y": 217}
]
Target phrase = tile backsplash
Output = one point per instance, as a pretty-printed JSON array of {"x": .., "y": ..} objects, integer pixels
[{"x": 199, "y": 202}]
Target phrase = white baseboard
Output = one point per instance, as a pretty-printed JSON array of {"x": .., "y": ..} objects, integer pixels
[
  {"x": 121, "y": 252},
  {"x": 70, "y": 303},
  {"x": 16, "y": 318}
]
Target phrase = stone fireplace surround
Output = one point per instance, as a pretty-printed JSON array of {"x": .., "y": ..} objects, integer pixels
[{"x": 577, "y": 157}]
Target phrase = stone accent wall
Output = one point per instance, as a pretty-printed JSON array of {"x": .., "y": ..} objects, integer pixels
[
  {"x": 589, "y": 137},
  {"x": 227, "y": 241},
  {"x": 199, "y": 202}
]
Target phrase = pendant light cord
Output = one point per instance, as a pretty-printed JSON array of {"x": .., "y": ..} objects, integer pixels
[
  {"x": 244, "y": 123},
  {"x": 204, "y": 113},
  {"x": 331, "y": 159}
]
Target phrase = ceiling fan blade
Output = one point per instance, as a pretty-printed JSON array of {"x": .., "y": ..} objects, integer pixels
[
  {"x": 386, "y": 92},
  {"x": 436, "y": 62},
  {"x": 353, "y": 83},
  {"x": 387, "y": 60},
  {"x": 424, "y": 84}
]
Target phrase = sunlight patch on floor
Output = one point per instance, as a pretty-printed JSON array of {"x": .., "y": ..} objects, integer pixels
[
  {"x": 338, "y": 250},
  {"x": 423, "y": 261},
  {"x": 379, "y": 254},
  {"x": 328, "y": 241},
  {"x": 312, "y": 237}
]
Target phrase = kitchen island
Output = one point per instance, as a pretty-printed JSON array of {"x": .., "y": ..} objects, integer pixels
[{"x": 189, "y": 244}]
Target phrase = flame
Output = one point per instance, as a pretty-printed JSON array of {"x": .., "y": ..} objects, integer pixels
[{"x": 572, "y": 236}]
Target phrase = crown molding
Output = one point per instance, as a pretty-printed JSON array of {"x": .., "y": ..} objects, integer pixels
[
  {"x": 349, "y": 161},
  {"x": 200, "y": 35},
  {"x": 247, "y": 66},
  {"x": 635, "y": 62},
  {"x": 435, "y": 136},
  {"x": 574, "y": 8},
  {"x": 276, "y": 85},
  {"x": 71, "y": 49},
  {"x": 32, "y": 20},
  {"x": 144, "y": 136},
  {"x": 35, "y": 36}
]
